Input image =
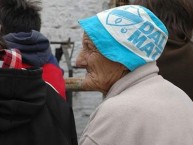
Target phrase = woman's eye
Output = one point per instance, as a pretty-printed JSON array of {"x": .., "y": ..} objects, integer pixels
[
  {"x": 90, "y": 46},
  {"x": 86, "y": 46}
]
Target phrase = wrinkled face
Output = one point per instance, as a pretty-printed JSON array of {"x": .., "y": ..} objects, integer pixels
[{"x": 101, "y": 72}]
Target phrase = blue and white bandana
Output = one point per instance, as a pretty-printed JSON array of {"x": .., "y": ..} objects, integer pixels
[{"x": 131, "y": 35}]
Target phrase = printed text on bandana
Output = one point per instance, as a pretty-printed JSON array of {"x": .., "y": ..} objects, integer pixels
[{"x": 140, "y": 38}]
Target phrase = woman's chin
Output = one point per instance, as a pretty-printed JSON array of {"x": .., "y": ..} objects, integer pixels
[{"x": 89, "y": 84}]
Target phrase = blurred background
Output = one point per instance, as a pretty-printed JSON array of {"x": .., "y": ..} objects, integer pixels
[{"x": 60, "y": 26}]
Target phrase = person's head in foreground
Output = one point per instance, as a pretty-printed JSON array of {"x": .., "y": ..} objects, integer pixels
[
  {"x": 118, "y": 41},
  {"x": 19, "y": 16}
]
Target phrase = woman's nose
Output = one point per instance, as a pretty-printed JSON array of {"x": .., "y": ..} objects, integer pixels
[{"x": 81, "y": 60}]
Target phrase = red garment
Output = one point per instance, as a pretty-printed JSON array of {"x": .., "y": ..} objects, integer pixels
[
  {"x": 51, "y": 74},
  {"x": 54, "y": 77}
]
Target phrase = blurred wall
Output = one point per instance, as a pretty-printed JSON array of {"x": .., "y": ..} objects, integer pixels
[{"x": 60, "y": 18}]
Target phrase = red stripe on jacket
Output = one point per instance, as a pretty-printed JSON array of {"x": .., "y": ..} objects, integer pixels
[{"x": 54, "y": 76}]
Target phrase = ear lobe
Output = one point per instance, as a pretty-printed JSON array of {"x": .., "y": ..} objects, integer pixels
[{"x": 124, "y": 68}]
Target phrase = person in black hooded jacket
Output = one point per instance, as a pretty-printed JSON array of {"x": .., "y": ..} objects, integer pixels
[
  {"x": 31, "y": 111},
  {"x": 20, "y": 26}
]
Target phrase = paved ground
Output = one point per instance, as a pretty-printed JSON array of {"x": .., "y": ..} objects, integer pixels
[{"x": 84, "y": 104}]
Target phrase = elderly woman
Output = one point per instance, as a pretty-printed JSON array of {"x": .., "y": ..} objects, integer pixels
[{"x": 120, "y": 49}]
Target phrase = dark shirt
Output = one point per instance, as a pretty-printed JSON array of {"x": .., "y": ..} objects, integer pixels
[
  {"x": 32, "y": 112},
  {"x": 176, "y": 65}
]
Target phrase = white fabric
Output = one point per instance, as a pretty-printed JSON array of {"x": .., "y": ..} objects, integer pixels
[
  {"x": 1, "y": 63},
  {"x": 123, "y": 27},
  {"x": 142, "y": 109}
]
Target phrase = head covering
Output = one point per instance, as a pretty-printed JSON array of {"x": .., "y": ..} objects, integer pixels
[
  {"x": 34, "y": 47},
  {"x": 131, "y": 35}
]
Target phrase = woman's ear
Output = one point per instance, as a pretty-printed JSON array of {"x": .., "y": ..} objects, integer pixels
[
  {"x": 124, "y": 67},
  {"x": 125, "y": 70}
]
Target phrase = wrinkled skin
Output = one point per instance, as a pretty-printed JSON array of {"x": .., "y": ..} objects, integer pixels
[{"x": 102, "y": 73}]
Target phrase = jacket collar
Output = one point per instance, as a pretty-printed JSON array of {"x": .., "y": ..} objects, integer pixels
[{"x": 132, "y": 78}]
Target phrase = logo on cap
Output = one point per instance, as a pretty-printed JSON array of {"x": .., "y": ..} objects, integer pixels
[{"x": 142, "y": 33}]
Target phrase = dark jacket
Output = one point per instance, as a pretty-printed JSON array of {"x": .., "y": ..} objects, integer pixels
[
  {"x": 35, "y": 50},
  {"x": 31, "y": 112},
  {"x": 176, "y": 65}
]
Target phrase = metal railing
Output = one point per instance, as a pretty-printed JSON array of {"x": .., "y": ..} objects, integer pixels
[{"x": 63, "y": 50}]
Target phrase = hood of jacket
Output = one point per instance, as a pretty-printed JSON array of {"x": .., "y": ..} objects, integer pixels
[
  {"x": 34, "y": 46},
  {"x": 22, "y": 96}
]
